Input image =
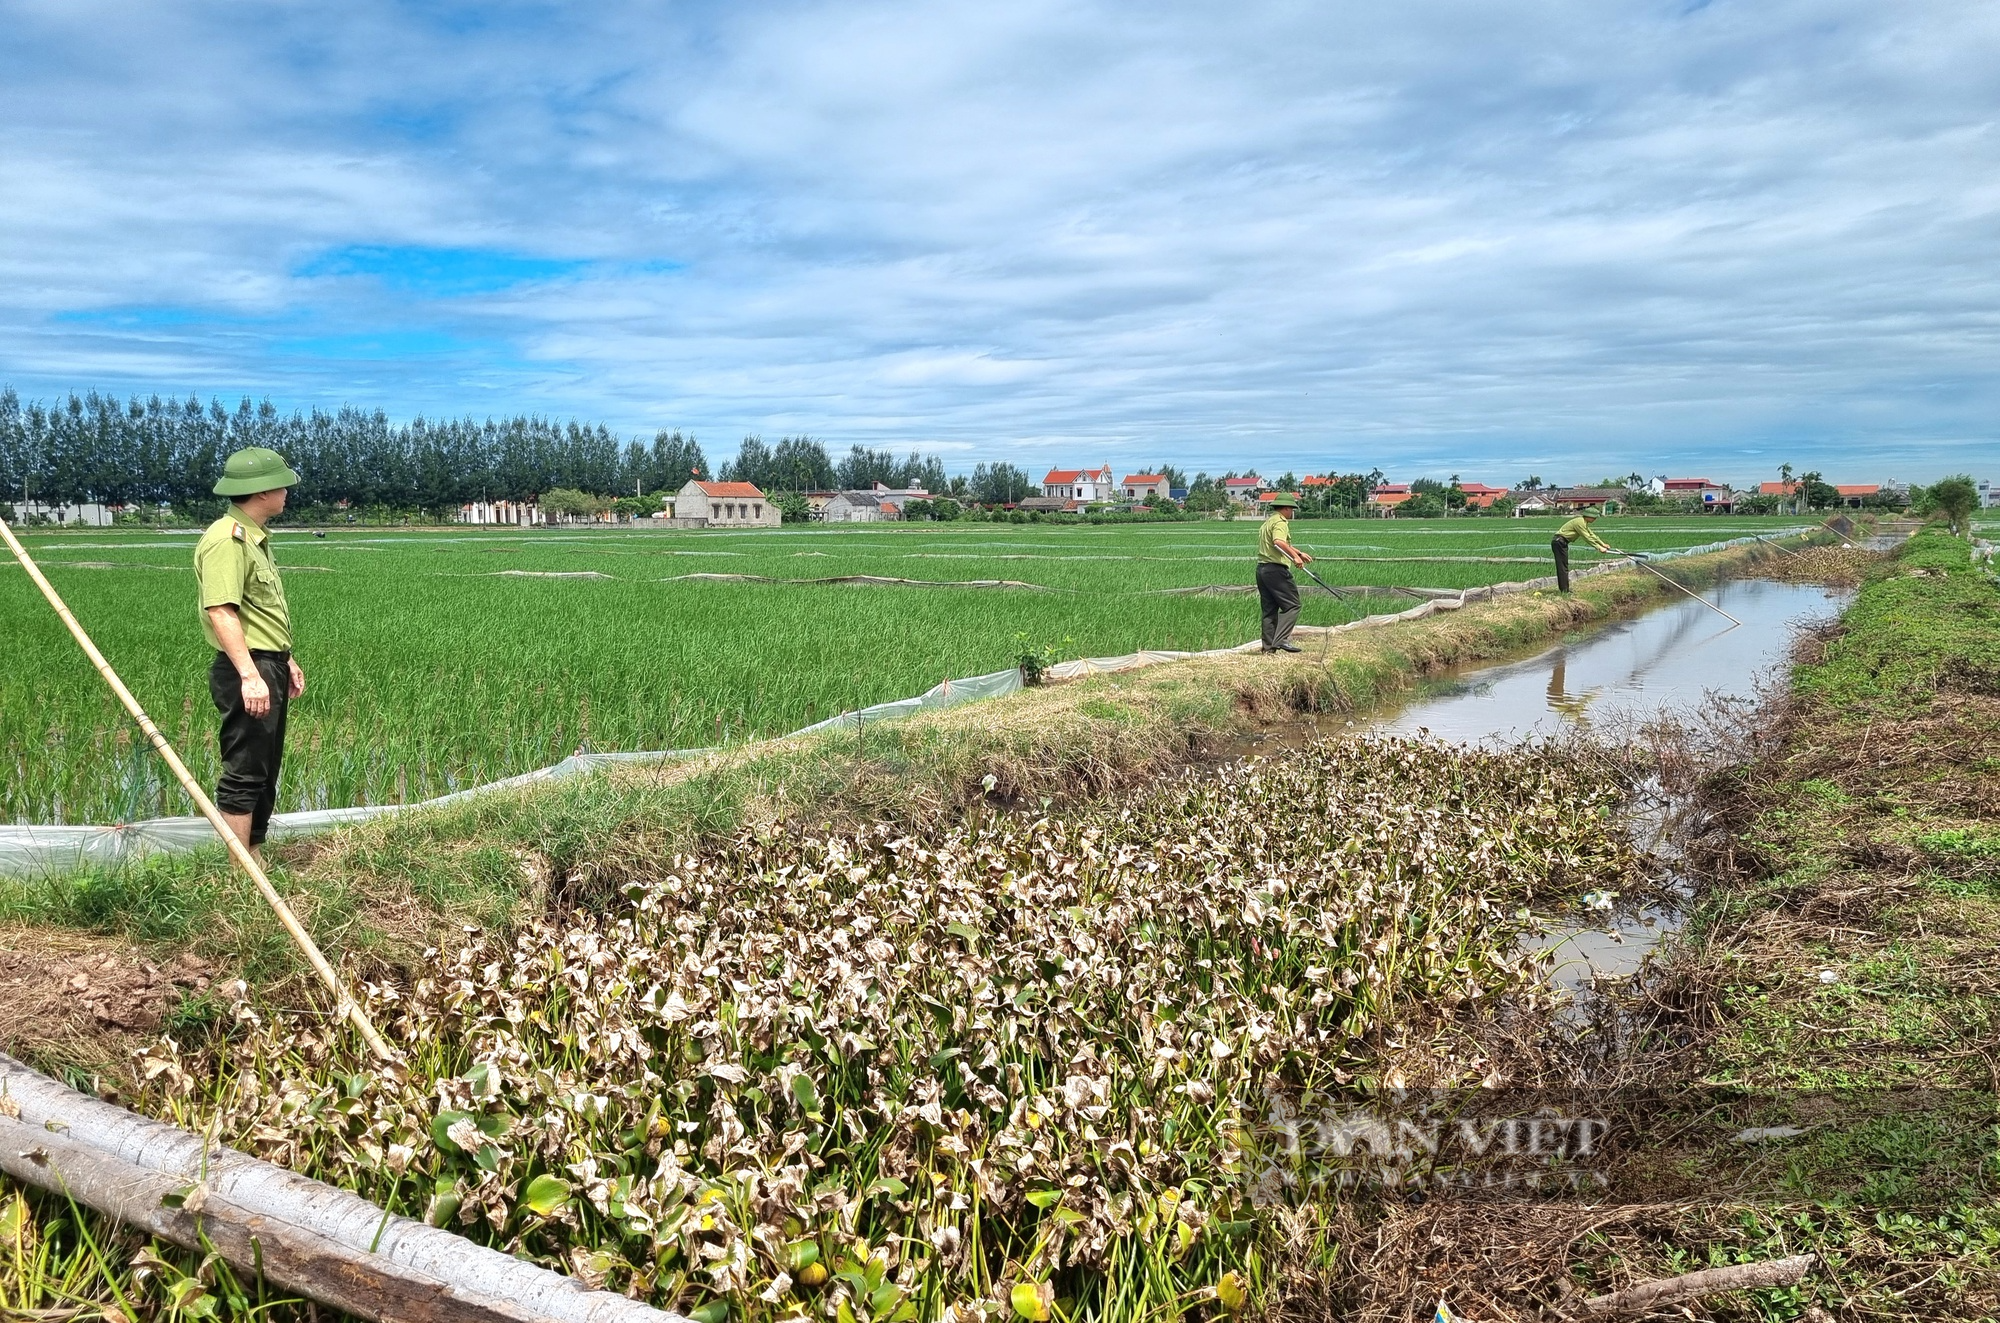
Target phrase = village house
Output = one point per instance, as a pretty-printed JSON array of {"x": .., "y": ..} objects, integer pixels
[
  {"x": 1567, "y": 500},
  {"x": 520, "y": 514},
  {"x": 1389, "y": 495},
  {"x": 724, "y": 505},
  {"x": 1138, "y": 486},
  {"x": 893, "y": 499},
  {"x": 1478, "y": 496},
  {"x": 1243, "y": 490},
  {"x": 1531, "y": 502},
  {"x": 1081, "y": 485},
  {"x": 1610, "y": 499},
  {"x": 854, "y": 508},
  {"x": 1045, "y": 505},
  {"x": 1853, "y": 495},
  {"x": 1709, "y": 494}
]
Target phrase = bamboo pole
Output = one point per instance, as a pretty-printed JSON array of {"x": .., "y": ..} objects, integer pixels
[
  {"x": 347, "y": 1005},
  {"x": 1689, "y": 591}
]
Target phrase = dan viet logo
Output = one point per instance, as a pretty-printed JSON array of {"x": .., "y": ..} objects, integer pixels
[{"x": 1443, "y": 1144}]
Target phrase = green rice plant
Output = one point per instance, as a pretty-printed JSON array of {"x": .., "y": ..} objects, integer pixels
[
  {"x": 1015, "y": 1068},
  {"x": 442, "y": 660}
]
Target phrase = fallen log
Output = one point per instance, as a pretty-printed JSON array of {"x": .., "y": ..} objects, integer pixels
[
  {"x": 306, "y": 1236},
  {"x": 1693, "y": 1285}
]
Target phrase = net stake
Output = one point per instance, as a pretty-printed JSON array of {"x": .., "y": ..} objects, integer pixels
[{"x": 347, "y": 1005}]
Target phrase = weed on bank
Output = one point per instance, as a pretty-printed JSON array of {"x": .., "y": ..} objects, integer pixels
[{"x": 1001, "y": 1071}]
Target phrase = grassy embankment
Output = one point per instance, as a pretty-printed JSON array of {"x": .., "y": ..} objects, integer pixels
[{"x": 1857, "y": 954}]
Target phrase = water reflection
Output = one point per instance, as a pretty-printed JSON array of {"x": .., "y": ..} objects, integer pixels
[{"x": 1673, "y": 658}]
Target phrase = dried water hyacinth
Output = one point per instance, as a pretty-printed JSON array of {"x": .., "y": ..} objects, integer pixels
[{"x": 877, "y": 1077}]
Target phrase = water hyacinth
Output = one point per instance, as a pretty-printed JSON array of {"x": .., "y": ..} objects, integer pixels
[{"x": 1003, "y": 1070}]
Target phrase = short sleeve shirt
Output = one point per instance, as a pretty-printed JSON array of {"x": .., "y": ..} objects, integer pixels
[
  {"x": 1276, "y": 529},
  {"x": 233, "y": 566}
]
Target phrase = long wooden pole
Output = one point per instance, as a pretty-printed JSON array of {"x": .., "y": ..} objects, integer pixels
[
  {"x": 1689, "y": 591},
  {"x": 347, "y": 1005}
]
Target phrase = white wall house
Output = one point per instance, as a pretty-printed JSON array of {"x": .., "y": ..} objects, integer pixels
[
  {"x": 520, "y": 514},
  {"x": 726, "y": 505},
  {"x": 1080, "y": 485}
]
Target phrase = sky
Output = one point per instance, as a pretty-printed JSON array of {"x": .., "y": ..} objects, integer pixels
[{"x": 1570, "y": 239}]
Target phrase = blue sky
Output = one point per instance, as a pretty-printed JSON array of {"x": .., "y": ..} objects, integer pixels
[{"x": 1569, "y": 238}]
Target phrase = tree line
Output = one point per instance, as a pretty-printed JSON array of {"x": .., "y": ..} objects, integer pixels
[
  {"x": 802, "y": 464},
  {"x": 96, "y": 448}
]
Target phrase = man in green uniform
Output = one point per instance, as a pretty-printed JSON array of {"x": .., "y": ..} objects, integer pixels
[
  {"x": 1276, "y": 590},
  {"x": 243, "y": 612},
  {"x": 1579, "y": 527}
]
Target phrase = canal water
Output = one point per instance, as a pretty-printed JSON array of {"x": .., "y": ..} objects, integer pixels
[
  {"x": 1677, "y": 659},
  {"x": 1680, "y": 660}
]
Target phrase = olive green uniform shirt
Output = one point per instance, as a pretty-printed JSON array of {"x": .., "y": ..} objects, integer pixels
[
  {"x": 1578, "y": 528},
  {"x": 233, "y": 566},
  {"x": 1276, "y": 529}
]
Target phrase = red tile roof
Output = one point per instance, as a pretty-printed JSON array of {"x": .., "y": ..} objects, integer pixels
[
  {"x": 1844, "y": 488},
  {"x": 1243, "y": 482},
  {"x": 1131, "y": 478},
  {"x": 1062, "y": 476},
  {"x": 730, "y": 490}
]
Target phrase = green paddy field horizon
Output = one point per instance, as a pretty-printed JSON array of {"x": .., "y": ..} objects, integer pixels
[{"x": 446, "y": 657}]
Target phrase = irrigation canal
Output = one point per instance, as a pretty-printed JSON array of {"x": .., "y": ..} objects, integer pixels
[{"x": 1679, "y": 659}]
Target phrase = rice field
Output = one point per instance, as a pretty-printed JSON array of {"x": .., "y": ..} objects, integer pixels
[{"x": 442, "y": 659}]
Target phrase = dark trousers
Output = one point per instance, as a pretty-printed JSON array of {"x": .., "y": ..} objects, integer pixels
[
  {"x": 1278, "y": 593},
  {"x": 252, "y": 747},
  {"x": 1561, "y": 548}
]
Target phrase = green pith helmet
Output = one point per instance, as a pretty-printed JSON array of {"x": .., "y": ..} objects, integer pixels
[
  {"x": 1593, "y": 513},
  {"x": 1282, "y": 500},
  {"x": 254, "y": 469}
]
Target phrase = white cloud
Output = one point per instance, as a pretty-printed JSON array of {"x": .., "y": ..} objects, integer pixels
[{"x": 1441, "y": 235}]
